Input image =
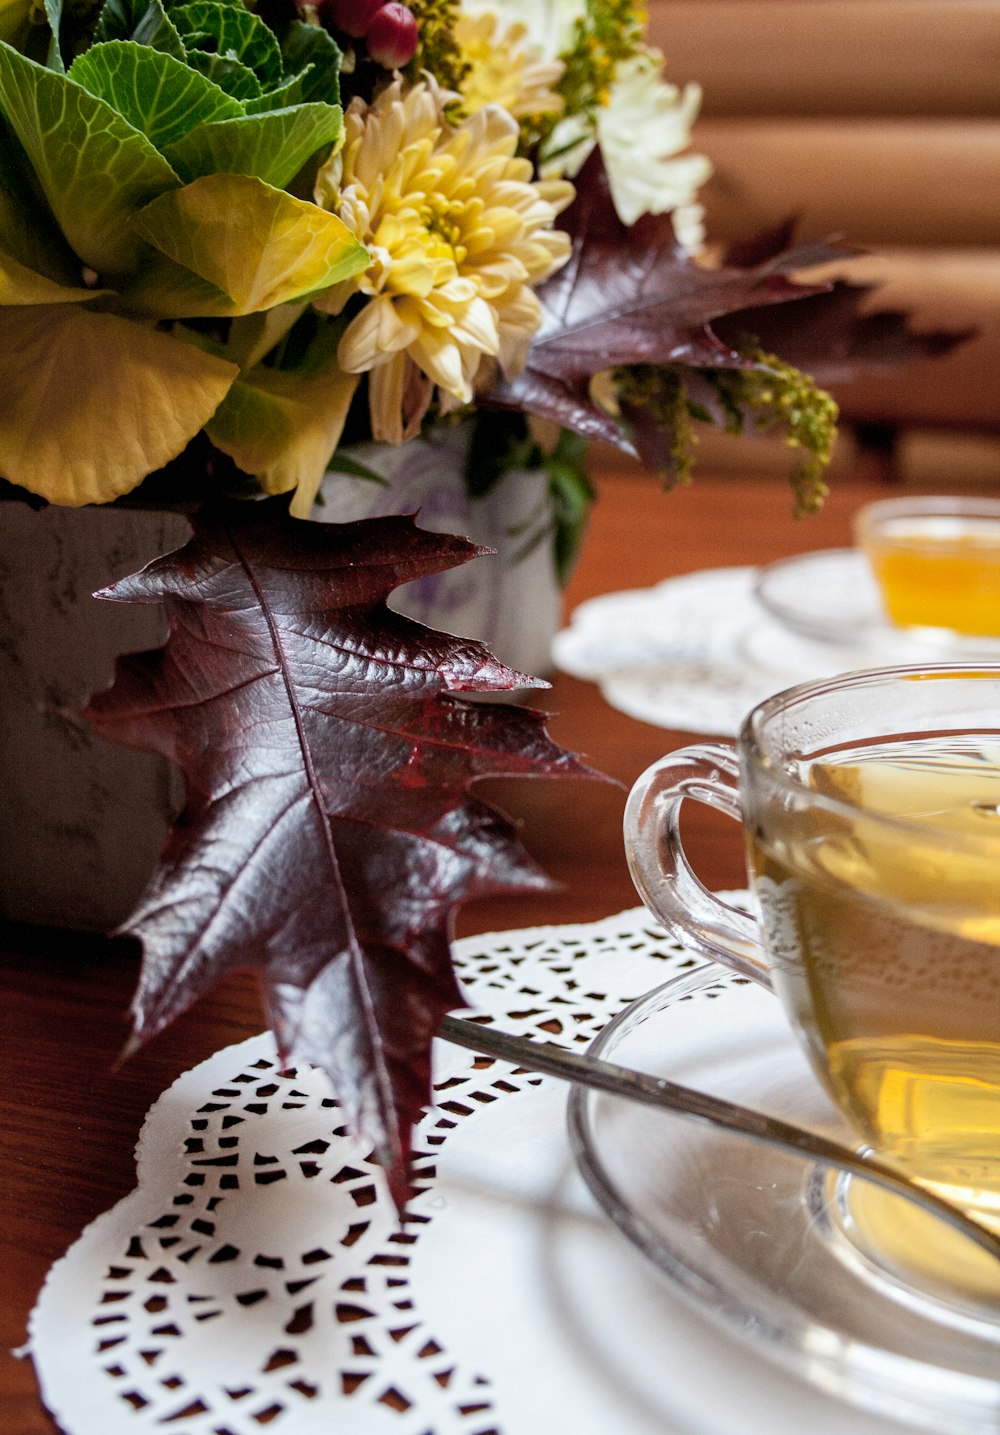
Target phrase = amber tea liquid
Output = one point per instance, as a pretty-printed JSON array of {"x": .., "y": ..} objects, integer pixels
[
  {"x": 939, "y": 572},
  {"x": 884, "y": 941}
]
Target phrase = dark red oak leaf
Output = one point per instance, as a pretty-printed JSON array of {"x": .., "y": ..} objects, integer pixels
[
  {"x": 836, "y": 335},
  {"x": 631, "y": 295},
  {"x": 832, "y": 335},
  {"x": 328, "y": 832}
]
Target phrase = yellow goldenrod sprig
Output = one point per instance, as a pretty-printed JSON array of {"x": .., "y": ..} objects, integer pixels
[
  {"x": 775, "y": 395},
  {"x": 438, "y": 51},
  {"x": 771, "y": 396},
  {"x": 609, "y": 33},
  {"x": 660, "y": 395}
]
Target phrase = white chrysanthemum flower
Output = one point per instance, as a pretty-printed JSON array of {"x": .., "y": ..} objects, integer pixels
[{"x": 641, "y": 131}]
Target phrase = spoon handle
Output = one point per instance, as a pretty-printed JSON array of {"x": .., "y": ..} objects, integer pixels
[{"x": 649, "y": 1090}]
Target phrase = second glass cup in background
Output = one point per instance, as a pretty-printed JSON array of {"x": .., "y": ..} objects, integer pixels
[
  {"x": 936, "y": 561},
  {"x": 921, "y": 584}
]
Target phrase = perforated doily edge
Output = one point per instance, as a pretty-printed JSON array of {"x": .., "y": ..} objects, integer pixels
[
  {"x": 226, "y": 1053},
  {"x": 223, "y": 1056},
  {"x": 141, "y": 1203}
]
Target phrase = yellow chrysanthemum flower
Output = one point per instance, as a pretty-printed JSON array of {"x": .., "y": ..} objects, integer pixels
[
  {"x": 506, "y": 68},
  {"x": 459, "y": 232}
]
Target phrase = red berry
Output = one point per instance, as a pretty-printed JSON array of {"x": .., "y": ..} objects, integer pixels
[
  {"x": 392, "y": 36},
  {"x": 353, "y": 17}
]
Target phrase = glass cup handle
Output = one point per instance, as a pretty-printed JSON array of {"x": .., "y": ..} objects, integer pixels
[{"x": 665, "y": 880}]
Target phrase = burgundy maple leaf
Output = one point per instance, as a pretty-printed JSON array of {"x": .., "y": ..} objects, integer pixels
[{"x": 328, "y": 832}]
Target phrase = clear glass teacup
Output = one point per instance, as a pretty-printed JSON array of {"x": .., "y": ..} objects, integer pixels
[{"x": 870, "y": 805}]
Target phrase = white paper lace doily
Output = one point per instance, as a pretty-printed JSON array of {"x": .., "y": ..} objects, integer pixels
[
  {"x": 696, "y": 652},
  {"x": 257, "y": 1277}
]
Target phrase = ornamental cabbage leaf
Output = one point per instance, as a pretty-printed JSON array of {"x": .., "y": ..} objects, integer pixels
[
  {"x": 159, "y": 95},
  {"x": 157, "y": 30},
  {"x": 21, "y": 285},
  {"x": 311, "y": 55},
  {"x": 13, "y": 19},
  {"x": 228, "y": 73},
  {"x": 233, "y": 33},
  {"x": 95, "y": 169},
  {"x": 93, "y": 402},
  {"x": 273, "y": 146},
  {"x": 27, "y": 231},
  {"x": 122, "y": 19},
  {"x": 255, "y": 244},
  {"x": 283, "y": 426},
  {"x": 142, "y": 192}
]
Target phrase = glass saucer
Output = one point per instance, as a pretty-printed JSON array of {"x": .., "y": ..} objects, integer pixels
[
  {"x": 755, "y": 1237},
  {"x": 831, "y": 596}
]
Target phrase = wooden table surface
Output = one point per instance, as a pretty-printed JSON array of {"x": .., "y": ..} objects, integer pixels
[{"x": 69, "y": 1120}]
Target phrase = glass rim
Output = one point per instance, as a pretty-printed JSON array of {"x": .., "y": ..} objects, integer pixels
[
  {"x": 750, "y": 742},
  {"x": 934, "y": 505}
]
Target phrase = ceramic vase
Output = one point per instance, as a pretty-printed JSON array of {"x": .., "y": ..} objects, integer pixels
[{"x": 510, "y": 599}]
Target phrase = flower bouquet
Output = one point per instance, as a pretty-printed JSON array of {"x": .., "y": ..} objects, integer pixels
[{"x": 238, "y": 240}]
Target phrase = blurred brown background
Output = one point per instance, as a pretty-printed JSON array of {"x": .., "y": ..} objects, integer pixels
[{"x": 878, "y": 121}]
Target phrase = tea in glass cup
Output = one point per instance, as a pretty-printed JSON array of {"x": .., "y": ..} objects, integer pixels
[
  {"x": 871, "y": 812},
  {"x": 936, "y": 561}
]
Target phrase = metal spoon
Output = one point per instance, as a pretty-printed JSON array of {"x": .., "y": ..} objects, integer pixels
[{"x": 649, "y": 1090}]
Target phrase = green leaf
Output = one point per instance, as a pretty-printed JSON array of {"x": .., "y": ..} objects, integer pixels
[
  {"x": 343, "y": 463},
  {"x": 312, "y": 54},
  {"x": 118, "y": 19},
  {"x": 157, "y": 30},
  {"x": 94, "y": 168},
  {"x": 229, "y": 74},
  {"x": 94, "y": 402},
  {"x": 28, "y": 231},
  {"x": 145, "y": 21},
  {"x": 233, "y": 33},
  {"x": 572, "y": 496},
  {"x": 500, "y": 442},
  {"x": 283, "y": 428},
  {"x": 53, "y": 13},
  {"x": 163, "y": 289},
  {"x": 20, "y": 284},
  {"x": 273, "y": 146},
  {"x": 157, "y": 94},
  {"x": 256, "y": 244},
  {"x": 252, "y": 337},
  {"x": 289, "y": 92},
  {"x": 311, "y": 60},
  {"x": 17, "y": 233}
]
